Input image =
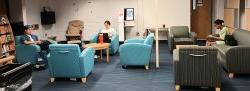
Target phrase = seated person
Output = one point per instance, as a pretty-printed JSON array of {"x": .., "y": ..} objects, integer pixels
[
  {"x": 107, "y": 29},
  {"x": 220, "y": 36},
  {"x": 28, "y": 38}
]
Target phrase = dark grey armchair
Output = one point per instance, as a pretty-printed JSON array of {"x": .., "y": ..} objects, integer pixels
[
  {"x": 180, "y": 35},
  {"x": 197, "y": 66},
  {"x": 236, "y": 59}
]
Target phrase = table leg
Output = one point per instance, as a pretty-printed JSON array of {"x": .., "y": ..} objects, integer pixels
[
  {"x": 101, "y": 54},
  {"x": 107, "y": 54}
]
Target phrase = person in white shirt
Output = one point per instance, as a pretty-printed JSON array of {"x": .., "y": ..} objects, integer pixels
[{"x": 107, "y": 29}]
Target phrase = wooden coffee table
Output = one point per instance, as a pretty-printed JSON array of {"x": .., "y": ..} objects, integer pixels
[
  {"x": 99, "y": 46},
  {"x": 178, "y": 46}
]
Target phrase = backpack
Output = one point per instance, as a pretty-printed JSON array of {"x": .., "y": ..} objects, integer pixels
[{"x": 229, "y": 40}]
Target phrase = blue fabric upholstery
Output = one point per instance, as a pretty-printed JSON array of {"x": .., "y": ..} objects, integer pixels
[
  {"x": 136, "y": 51},
  {"x": 114, "y": 45},
  {"x": 29, "y": 53},
  {"x": 135, "y": 40},
  {"x": 26, "y": 53},
  {"x": 66, "y": 60}
]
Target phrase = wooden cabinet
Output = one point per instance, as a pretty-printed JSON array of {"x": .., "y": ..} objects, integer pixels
[
  {"x": 231, "y": 18},
  {"x": 247, "y": 19},
  {"x": 237, "y": 14},
  {"x": 7, "y": 42},
  {"x": 232, "y": 3}
]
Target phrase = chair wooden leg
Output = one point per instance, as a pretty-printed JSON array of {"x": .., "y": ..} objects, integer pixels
[
  {"x": 231, "y": 75},
  {"x": 177, "y": 87},
  {"x": 146, "y": 67},
  {"x": 217, "y": 89},
  {"x": 84, "y": 80},
  {"x": 52, "y": 79}
]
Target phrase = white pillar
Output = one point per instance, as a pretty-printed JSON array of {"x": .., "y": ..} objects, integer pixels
[
  {"x": 156, "y": 35},
  {"x": 24, "y": 11}
]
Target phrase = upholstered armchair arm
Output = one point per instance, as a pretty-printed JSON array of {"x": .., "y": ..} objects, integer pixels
[
  {"x": 27, "y": 53},
  {"x": 170, "y": 40},
  {"x": 35, "y": 48},
  {"x": 94, "y": 38},
  {"x": 135, "y": 53},
  {"x": 86, "y": 61},
  {"x": 135, "y": 40},
  {"x": 237, "y": 59},
  {"x": 193, "y": 35},
  {"x": 176, "y": 65},
  {"x": 114, "y": 45}
]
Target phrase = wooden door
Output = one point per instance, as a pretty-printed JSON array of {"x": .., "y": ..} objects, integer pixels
[
  {"x": 201, "y": 18},
  {"x": 3, "y": 9}
]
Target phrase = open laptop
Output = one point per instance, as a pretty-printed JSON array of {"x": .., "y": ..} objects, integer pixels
[{"x": 105, "y": 37}]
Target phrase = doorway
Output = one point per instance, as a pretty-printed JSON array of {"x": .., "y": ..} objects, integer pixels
[{"x": 201, "y": 17}]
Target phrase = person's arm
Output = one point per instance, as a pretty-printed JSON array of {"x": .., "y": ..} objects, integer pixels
[
  {"x": 214, "y": 38},
  {"x": 29, "y": 42},
  {"x": 34, "y": 37},
  {"x": 223, "y": 33},
  {"x": 24, "y": 40},
  {"x": 112, "y": 30}
]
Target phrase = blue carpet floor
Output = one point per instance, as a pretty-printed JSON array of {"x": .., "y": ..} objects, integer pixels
[{"x": 112, "y": 77}]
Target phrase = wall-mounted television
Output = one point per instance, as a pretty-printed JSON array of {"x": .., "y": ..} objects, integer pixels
[
  {"x": 129, "y": 14},
  {"x": 48, "y": 17}
]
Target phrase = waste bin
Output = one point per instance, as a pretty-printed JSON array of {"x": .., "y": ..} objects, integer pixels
[{"x": 16, "y": 77}]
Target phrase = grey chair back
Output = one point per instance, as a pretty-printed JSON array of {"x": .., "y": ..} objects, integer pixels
[
  {"x": 242, "y": 37},
  {"x": 198, "y": 66},
  {"x": 180, "y": 31}
]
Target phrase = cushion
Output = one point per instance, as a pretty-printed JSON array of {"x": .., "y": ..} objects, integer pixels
[
  {"x": 18, "y": 40},
  {"x": 76, "y": 23},
  {"x": 180, "y": 31},
  {"x": 242, "y": 37},
  {"x": 189, "y": 40},
  {"x": 222, "y": 48},
  {"x": 149, "y": 40},
  {"x": 74, "y": 27}
]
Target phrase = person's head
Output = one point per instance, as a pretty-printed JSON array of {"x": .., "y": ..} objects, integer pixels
[
  {"x": 107, "y": 24},
  {"x": 28, "y": 29},
  {"x": 218, "y": 24}
]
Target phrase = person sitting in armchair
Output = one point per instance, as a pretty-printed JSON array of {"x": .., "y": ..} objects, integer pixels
[
  {"x": 29, "y": 38},
  {"x": 220, "y": 36}
]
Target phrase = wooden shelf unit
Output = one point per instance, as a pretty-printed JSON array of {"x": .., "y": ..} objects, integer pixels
[{"x": 7, "y": 42}]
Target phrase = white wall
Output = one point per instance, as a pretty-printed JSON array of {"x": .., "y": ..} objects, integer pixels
[
  {"x": 95, "y": 12},
  {"x": 218, "y": 11},
  {"x": 171, "y": 13},
  {"x": 92, "y": 12},
  {"x": 31, "y": 15}
]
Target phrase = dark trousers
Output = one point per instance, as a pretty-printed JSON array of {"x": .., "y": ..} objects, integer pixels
[{"x": 44, "y": 45}]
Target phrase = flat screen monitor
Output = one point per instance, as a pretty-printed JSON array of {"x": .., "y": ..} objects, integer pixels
[
  {"x": 129, "y": 14},
  {"x": 48, "y": 17}
]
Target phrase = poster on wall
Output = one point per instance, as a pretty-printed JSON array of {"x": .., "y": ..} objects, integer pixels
[
  {"x": 129, "y": 14},
  {"x": 199, "y": 2}
]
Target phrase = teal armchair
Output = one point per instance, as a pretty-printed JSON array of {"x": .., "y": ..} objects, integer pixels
[
  {"x": 31, "y": 53},
  {"x": 136, "y": 51},
  {"x": 26, "y": 53},
  {"x": 114, "y": 44},
  {"x": 66, "y": 60}
]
